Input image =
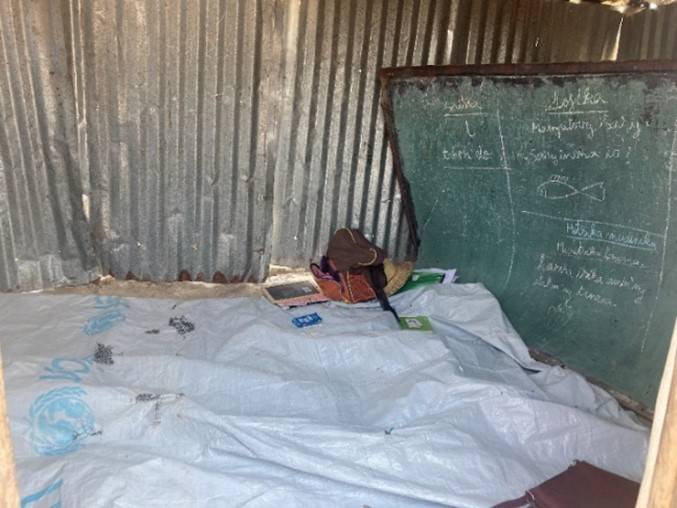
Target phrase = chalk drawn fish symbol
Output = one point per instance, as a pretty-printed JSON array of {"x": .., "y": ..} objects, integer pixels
[{"x": 559, "y": 188}]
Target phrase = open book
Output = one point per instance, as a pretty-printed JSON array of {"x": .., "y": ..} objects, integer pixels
[{"x": 294, "y": 294}]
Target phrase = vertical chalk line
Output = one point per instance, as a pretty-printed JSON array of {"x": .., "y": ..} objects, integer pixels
[
  {"x": 430, "y": 215},
  {"x": 665, "y": 236},
  {"x": 512, "y": 205}
]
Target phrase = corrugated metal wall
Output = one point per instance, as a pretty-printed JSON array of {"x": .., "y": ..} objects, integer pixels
[
  {"x": 333, "y": 167},
  {"x": 651, "y": 35},
  {"x": 44, "y": 236},
  {"x": 177, "y": 107},
  {"x": 217, "y": 135}
]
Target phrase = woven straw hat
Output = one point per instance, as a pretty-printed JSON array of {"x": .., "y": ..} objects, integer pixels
[{"x": 397, "y": 275}]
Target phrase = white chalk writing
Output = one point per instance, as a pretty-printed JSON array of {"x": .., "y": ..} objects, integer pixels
[
  {"x": 581, "y": 292},
  {"x": 583, "y": 230},
  {"x": 632, "y": 127},
  {"x": 463, "y": 104},
  {"x": 462, "y": 153},
  {"x": 566, "y": 126},
  {"x": 533, "y": 156},
  {"x": 606, "y": 254},
  {"x": 594, "y": 297},
  {"x": 547, "y": 283},
  {"x": 568, "y": 102},
  {"x": 549, "y": 266},
  {"x": 564, "y": 307},
  {"x": 589, "y": 127},
  {"x": 590, "y": 274}
]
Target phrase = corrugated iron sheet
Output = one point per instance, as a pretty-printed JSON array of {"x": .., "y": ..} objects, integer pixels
[
  {"x": 217, "y": 135},
  {"x": 650, "y": 35},
  {"x": 333, "y": 167},
  {"x": 177, "y": 108},
  {"x": 44, "y": 237},
  {"x": 630, "y": 7}
]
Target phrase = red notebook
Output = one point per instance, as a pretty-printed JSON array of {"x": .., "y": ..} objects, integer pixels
[{"x": 581, "y": 486}]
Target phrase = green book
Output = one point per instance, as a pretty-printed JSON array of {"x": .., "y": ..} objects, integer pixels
[
  {"x": 419, "y": 279},
  {"x": 416, "y": 323}
]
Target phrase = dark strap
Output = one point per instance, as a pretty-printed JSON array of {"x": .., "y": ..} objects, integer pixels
[
  {"x": 378, "y": 282},
  {"x": 385, "y": 304},
  {"x": 375, "y": 275}
]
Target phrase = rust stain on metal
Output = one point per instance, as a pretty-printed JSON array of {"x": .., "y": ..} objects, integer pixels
[{"x": 219, "y": 278}]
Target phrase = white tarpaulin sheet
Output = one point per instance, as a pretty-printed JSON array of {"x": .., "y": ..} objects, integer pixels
[{"x": 140, "y": 402}]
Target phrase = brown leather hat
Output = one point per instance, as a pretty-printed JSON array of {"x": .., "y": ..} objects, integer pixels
[{"x": 348, "y": 248}]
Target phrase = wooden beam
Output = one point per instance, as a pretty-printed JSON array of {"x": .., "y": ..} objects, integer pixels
[
  {"x": 659, "y": 485},
  {"x": 9, "y": 493}
]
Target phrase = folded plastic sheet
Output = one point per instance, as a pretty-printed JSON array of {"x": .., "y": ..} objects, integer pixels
[{"x": 140, "y": 402}]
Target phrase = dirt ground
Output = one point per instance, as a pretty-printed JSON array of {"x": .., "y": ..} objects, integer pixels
[{"x": 109, "y": 286}]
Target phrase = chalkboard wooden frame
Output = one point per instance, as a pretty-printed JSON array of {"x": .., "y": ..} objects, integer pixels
[
  {"x": 390, "y": 76},
  {"x": 387, "y": 74}
]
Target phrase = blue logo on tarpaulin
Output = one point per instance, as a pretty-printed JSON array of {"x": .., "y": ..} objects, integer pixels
[
  {"x": 59, "y": 420},
  {"x": 49, "y": 496},
  {"x": 111, "y": 311},
  {"x": 71, "y": 369}
]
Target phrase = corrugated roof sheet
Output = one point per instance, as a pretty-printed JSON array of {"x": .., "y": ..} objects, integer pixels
[{"x": 218, "y": 135}]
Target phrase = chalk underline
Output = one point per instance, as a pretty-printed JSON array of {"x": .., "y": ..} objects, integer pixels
[{"x": 569, "y": 219}]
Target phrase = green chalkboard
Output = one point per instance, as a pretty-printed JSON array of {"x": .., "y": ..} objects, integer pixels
[{"x": 553, "y": 186}]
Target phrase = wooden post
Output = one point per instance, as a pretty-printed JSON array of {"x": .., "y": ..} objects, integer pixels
[
  {"x": 9, "y": 493},
  {"x": 659, "y": 485}
]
